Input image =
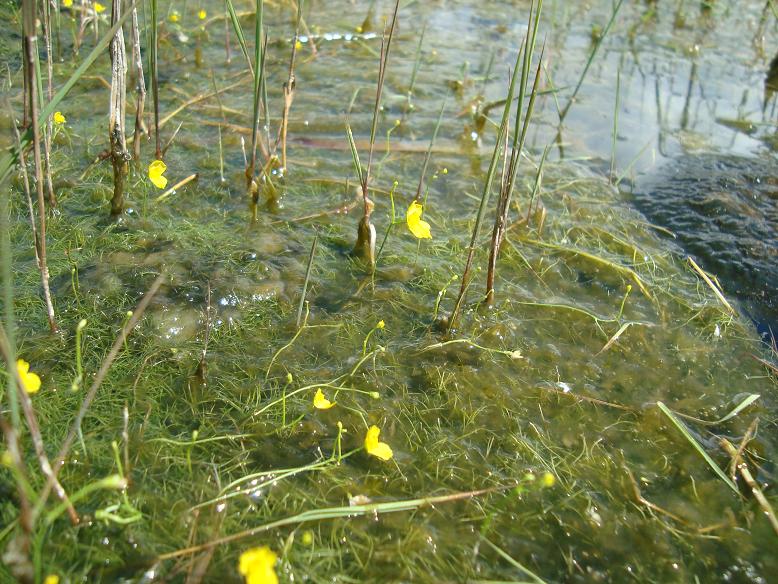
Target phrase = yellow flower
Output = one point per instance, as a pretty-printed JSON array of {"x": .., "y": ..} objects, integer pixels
[
  {"x": 6, "y": 459},
  {"x": 381, "y": 324},
  {"x": 59, "y": 119},
  {"x": 298, "y": 45},
  {"x": 376, "y": 448},
  {"x": 548, "y": 480},
  {"x": 156, "y": 170},
  {"x": 51, "y": 579},
  {"x": 320, "y": 402},
  {"x": 173, "y": 17},
  {"x": 202, "y": 15},
  {"x": 257, "y": 565},
  {"x": 99, "y": 8},
  {"x": 30, "y": 381},
  {"x": 419, "y": 228},
  {"x": 67, "y": 3}
]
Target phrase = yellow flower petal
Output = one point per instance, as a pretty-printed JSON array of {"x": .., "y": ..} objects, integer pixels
[
  {"x": 174, "y": 16},
  {"x": 59, "y": 119},
  {"x": 30, "y": 381},
  {"x": 99, "y": 8},
  {"x": 156, "y": 170},
  {"x": 419, "y": 228},
  {"x": 202, "y": 15},
  {"x": 67, "y": 3},
  {"x": 374, "y": 447},
  {"x": 51, "y": 579},
  {"x": 320, "y": 402},
  {"x": 258, "y": 565}
]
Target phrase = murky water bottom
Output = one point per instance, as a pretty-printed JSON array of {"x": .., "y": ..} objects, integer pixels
[{"x": 597, "y": 318}]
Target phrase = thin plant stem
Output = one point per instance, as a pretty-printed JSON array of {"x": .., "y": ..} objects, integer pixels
[
  {"x": 312, "y": 254},
  {"x": 484, "y": 197},
  {"x": 589, "y": 62},
  {"x": 31, "y": 57}
]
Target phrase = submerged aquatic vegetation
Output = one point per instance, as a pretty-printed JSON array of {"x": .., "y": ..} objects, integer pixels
[{"x": 516, "y": 399}]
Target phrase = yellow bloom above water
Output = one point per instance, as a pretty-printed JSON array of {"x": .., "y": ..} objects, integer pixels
[
  {"x": 320, "y": 402},
  {"x": 258, "y": 565},
  {"x": 202, "y": 15},
  {"x": 374, "y": 447},
  {"x": 59, "y": 119},
  {"x": 419, "y": 228},
  {"x": 30, "y": 381},
  {"x": 156, "y": 170},
  {"x": 174, "y": 17},
  {"x": 67, "y": 3},
  {"x": 51, "y": 578},
  {"x": 99, "y": 8}
]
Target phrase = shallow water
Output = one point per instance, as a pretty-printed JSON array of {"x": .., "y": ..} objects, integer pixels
[{"x": 530, "y": 387}]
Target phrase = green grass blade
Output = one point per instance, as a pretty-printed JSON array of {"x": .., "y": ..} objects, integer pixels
[
  {"x": 354, "y": 154},
  {"x": 239, "y": 33},
  {"x": 685, "y": 431}
]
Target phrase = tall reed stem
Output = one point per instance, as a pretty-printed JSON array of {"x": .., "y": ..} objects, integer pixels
[
  {"x": 155, "y": 77},
  {"x": 519, "y": 136},
  {"x": 366, "y": 234},
  {"x": 119, "y": 155},
  {"x": 140, "y": 127},
  {"x": 30, "y": 58}
]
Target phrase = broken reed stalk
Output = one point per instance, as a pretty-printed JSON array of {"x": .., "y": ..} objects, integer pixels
[
  {"x": 366, "y": 234},
  {"x": 155, "y": 77},
  {"x": 18, "y": 561},
  {"x": 119, "y": 155},
  {"x": 34, "y": 428},
  {"x": 140, "y": 104},
  {"x": 767, "y": 509},
  {"x": 51, "y": 198},
  {"x": 508, "y": 184},
  {"x": 30, "y": 58},
  {"x": 289, "y": 88},
  {"x": 485, "y": 195}
]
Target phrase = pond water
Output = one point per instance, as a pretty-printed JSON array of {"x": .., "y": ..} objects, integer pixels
[{"x": 548, "y": 400}]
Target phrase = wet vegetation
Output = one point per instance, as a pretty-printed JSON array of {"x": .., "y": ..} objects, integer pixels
[{"x": 365, "y": 291}]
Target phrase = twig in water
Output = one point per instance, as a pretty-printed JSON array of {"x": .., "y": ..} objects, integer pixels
[
  {"x": 716, "y": 290},
  {"x": 753, "y": 485}
]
